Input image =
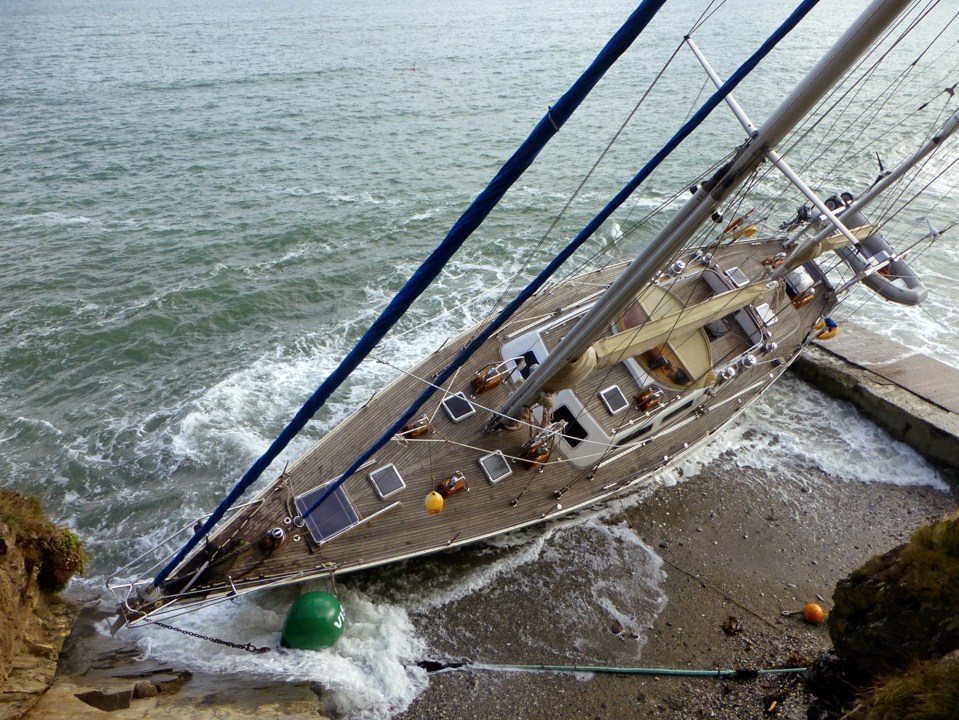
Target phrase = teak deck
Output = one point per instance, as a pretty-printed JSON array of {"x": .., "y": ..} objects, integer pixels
[{"x": 238, "y": 557}]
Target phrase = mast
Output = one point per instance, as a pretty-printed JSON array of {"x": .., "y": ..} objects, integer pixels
[
  {"x": 831, "y": 67},
  {"x": 556, "y": 116}
]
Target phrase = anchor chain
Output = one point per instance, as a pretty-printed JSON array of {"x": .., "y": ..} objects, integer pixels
[{"x": 249, "y": 647}]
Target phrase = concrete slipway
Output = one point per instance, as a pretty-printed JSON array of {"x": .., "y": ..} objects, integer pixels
[{"x": 913, "y": 397}]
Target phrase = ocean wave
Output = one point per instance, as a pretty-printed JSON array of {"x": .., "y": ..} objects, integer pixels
[
  {"x": 48, "y": 219},
  {"x": 795, "y": 425},
  {"x": 335, "y": 195}
]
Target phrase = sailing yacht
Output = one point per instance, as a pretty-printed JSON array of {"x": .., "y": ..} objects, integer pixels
[{"x": 578, "y": 391}]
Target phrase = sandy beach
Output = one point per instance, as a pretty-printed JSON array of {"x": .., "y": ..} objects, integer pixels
[{"x": 732, "y": 542}]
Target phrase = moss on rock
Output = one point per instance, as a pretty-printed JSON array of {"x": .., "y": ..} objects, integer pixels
[
  {"x": 929, "y": 690},
  {"x": 56, "y": 553},
  {"x": 901, "y": 606}
]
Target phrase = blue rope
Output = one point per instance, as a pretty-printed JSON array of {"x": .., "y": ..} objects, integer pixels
[
  {"x": 798, "y": 14},
  {"x": 547, "y": 127}
]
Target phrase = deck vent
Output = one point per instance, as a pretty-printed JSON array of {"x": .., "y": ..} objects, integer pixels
[
  {"x": 386, "y": 481},
  {"x": 458, "y": 407},
  {"x": 613, "y": 399},
  {"x": 495, "y": 466}
]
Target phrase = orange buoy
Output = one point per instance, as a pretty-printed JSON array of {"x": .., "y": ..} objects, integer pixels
[
  {"x": 813, "y": 613},
  {"x": 434, "y": 502}
]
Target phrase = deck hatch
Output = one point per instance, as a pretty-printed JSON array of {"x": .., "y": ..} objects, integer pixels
[
  {"x": 738, "y": 277},
  {"x": 386, "y": 481},
  {"x": 530, "y": 362},
  {"x": 458, "y": 407},
  {"x": 574, "y": 433},
  {"x": 613, "y": 399},
  {"x": 332, "y": 517},
  {"x": 495, "y": 466}
]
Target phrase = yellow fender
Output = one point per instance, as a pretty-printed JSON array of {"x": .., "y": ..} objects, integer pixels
[{"x": 825, "y": 334}]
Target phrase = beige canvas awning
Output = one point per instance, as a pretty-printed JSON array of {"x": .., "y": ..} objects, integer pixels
[
  {"x": 669, "y": 321},
  {"x": 679, "y": 328}
]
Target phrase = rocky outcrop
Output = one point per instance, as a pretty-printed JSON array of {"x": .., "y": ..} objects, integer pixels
[
  {"x": 901, "y": 606},
  {"x": 36, "y": 559},
  {"x": 55, "y": 664},
  {"x": 898, "y": 609},
  {"x": 101, "y": 674}
]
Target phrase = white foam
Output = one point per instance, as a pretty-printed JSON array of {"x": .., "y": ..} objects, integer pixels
[
  {"x": 370, "y": 673},
  {"x": 333, "y": 194},
  {"x": 49, "y": 219},
  {"x": 796, "y": 426},
  {"x": 234, "y": 417}
]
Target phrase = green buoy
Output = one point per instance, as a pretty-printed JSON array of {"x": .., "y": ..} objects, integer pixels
[{"x": 314, "y": 621}]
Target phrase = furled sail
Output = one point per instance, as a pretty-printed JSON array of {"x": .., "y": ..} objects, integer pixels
[
  {"x": 548, "y": 126},
  {"x": 833, "y": 242}
]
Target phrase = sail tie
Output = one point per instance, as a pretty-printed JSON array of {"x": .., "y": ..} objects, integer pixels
[{"x": 549, "y": 114}]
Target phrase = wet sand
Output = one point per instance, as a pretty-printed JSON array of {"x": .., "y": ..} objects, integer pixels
[{"x": 732, "y": 542}]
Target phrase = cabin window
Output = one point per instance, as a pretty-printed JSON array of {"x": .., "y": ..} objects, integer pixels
[
  {"x": 334, "y": 515},
  {"x": 614, "y": 400},
  {"x": 635, "y": 434},
  {"x": 495, "y": 466},
  {"x": 458, "y": 407},
  {"x": 675, "y": 411},
  {"x": 386, "y": 481},
  {"x": 574, "y": 433}
]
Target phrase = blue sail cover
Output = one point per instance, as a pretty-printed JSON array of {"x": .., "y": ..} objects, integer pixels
[
  {"x": 474, "y": 215},
  {"x": 797, "y": 15}
]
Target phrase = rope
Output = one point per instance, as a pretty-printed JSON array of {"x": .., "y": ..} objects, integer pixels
[
  {"x": 589, "y": 174},
  {"x": 737, "y": 674}
]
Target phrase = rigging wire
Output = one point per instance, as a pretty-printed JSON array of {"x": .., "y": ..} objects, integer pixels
[
  {"x": 844, "y": 93},
  {"x": 534, "y": 251},
  {"x": 710, "y": 10},
  {"x": 518, "y": 163}
]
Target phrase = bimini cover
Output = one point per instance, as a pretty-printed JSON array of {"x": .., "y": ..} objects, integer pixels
[{"x": 658, "y": 319}]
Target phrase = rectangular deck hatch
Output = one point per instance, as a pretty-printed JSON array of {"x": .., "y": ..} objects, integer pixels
[
  {"x": 386, "y": 481},
  {"x": 574, "y": 433},
  {"x": 613, "y": 399},
  {"x": 495, "y": 466},
  {"x": 458, "y": 407},
  {"x": 332, "y": 517},
  {"x": 738, "y": 277}
]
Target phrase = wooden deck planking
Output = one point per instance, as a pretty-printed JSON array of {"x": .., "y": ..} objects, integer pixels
[{"x": 486, "y": 508}]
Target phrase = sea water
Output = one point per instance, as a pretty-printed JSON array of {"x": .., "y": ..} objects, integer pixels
[{"x": 203, "y": 206}]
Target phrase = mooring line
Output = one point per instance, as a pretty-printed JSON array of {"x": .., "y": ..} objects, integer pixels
[{"x": 737, "y": 674}]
